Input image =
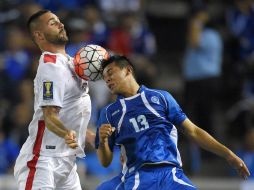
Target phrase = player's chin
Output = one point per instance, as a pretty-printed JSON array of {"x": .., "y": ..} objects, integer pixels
[
  {"x": 112, "y": 90},
  {"x": 111, "y": 87},
  {"x": 115, "y": 91},
  {"x": 63, "y": 37}
]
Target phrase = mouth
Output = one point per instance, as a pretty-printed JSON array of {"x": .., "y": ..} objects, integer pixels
[
  {"x": 111, "y": 86},
  {"x": 62, "y": 32}
]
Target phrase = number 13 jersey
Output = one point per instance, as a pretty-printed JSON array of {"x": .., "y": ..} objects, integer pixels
[{"x": 145, "y": 127}]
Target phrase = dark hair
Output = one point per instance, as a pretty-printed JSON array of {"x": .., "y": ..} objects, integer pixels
[
  {"x": 34, "y": 17},
  {"x": 120, "y": 60},
  {"x": 197, "y": 6}
]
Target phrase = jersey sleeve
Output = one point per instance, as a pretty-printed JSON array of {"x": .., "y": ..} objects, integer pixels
[
  {"x": 51, "y": 83},
  {"x": 103, "y": 120},
  {"x": 210, "y": 40},
  {"x": 174, "y": 111}
]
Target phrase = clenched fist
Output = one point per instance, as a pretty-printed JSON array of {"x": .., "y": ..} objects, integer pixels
[
  {"x": 105, "y": 131},
  {"x": 70, "y": 139}
]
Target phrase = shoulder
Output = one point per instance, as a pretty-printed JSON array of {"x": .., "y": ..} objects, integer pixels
[
  {"x": 158, "y": 92},
  {"x": 48, "y": 58},
  {"x": 104, "y": 111},
  {"x": 103, "y": 116},
  {"x": 158, "y": 95},
  {"x": 212, "y": 34},
  {"x": 108, "y": 107},
  {"x": 50, "y": 62}
]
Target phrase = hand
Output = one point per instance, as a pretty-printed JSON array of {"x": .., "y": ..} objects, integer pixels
[
  {"x": 239, "y": 165},
  {"x": 70, "y": 139},
  {"x": 105, "y": 131},
  {"x": 90, "y": 137}
]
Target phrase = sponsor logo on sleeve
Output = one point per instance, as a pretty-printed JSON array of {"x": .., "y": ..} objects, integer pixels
[{"x": 48, "y": 90}]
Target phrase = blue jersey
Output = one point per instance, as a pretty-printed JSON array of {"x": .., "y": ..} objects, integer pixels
[{"x": 144, "y": 128}]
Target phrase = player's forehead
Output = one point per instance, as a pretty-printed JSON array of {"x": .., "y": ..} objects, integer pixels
[
  {"x": 109, "y": 68},
  {"x": 47, "y": 17}
]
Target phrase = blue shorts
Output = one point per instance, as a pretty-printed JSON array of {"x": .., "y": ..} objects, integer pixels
[
  {"x": 162, "y": 177},
  {"x": 112, "y": 184}
]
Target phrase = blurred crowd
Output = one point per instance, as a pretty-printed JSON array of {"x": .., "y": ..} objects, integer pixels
[{"x": 217, "y": 67}]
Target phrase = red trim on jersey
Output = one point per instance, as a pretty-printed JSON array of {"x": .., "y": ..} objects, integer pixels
[
  {"x": 36, "y": 151},
  {"x": 49, "y": 58}
]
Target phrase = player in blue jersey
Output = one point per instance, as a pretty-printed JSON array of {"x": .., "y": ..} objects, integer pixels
[{"x": 142, "y": 122}]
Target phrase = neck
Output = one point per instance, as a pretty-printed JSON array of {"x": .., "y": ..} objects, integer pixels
[
  {"x": 54, "y": 49},
  {"x": 131, "y": 89}
]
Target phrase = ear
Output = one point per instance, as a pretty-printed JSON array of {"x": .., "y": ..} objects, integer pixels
[
  {"x": 129, "y": 70},
  {"x": 38, "y": 35}
]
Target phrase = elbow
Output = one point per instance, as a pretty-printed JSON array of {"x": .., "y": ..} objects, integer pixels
[
  {"x": 105, "y": 160},
  {"x": 193, "y": 133},
  {"x": 47, "y": 124},
  {"x": 105, "y": 164}
]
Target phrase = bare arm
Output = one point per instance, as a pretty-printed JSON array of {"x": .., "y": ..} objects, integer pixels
[
  {"x": 104, "y": 153},
  {"x": 195, "y": 29},
  {"x": 207, "y": 142},
  {"x": 55, "y": 125},
  {"x": 90, "y": 137}
]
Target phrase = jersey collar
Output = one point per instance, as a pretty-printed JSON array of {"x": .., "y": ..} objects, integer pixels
[{"x": 141, "y": 89}]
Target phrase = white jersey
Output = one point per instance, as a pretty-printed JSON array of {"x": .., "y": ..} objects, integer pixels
[{"x": 56, "y": 84}]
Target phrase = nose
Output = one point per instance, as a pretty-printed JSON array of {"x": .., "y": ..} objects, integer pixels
[
  {"x": 61, "y": 25},
  {"x": 106, "y": 79}
]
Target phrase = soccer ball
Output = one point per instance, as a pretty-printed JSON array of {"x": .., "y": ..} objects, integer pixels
[{"x": 87, "y": 62}]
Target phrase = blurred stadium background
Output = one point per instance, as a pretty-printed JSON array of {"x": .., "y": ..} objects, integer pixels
[{"x": 154, "y": 33}]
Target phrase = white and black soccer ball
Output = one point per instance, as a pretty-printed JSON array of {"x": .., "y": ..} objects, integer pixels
[{"x": 87, "y": 62}]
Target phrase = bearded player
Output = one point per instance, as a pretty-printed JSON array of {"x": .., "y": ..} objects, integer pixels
[{"x": 62, "y": 109}]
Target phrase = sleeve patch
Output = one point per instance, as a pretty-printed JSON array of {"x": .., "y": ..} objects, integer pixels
[
  {"x": 48, "y": 90},
  {"x": 49, "y": 58}
]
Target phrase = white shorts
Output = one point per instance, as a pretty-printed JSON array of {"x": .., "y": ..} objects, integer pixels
[{"x": 46, "y": 173}]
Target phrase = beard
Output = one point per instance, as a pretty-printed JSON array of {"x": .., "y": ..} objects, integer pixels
[{"x": 58, "y": 39}]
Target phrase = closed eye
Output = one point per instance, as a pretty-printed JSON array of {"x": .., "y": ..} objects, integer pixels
[
  {"x": 108, "y": 73},
  {"x": 53, "y": 21}
]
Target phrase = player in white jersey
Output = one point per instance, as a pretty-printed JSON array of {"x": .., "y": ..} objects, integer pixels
[{"x": 62, "y": 109}]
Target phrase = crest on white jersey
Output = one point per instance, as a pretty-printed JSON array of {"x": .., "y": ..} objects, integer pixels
[{"x": 48, "y": 90}]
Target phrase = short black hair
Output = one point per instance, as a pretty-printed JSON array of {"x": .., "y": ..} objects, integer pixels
[
  {"x": 34, "y": 18},
  {"x": 197, "y": 7},
  {"x": 120, "y": 60}
]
